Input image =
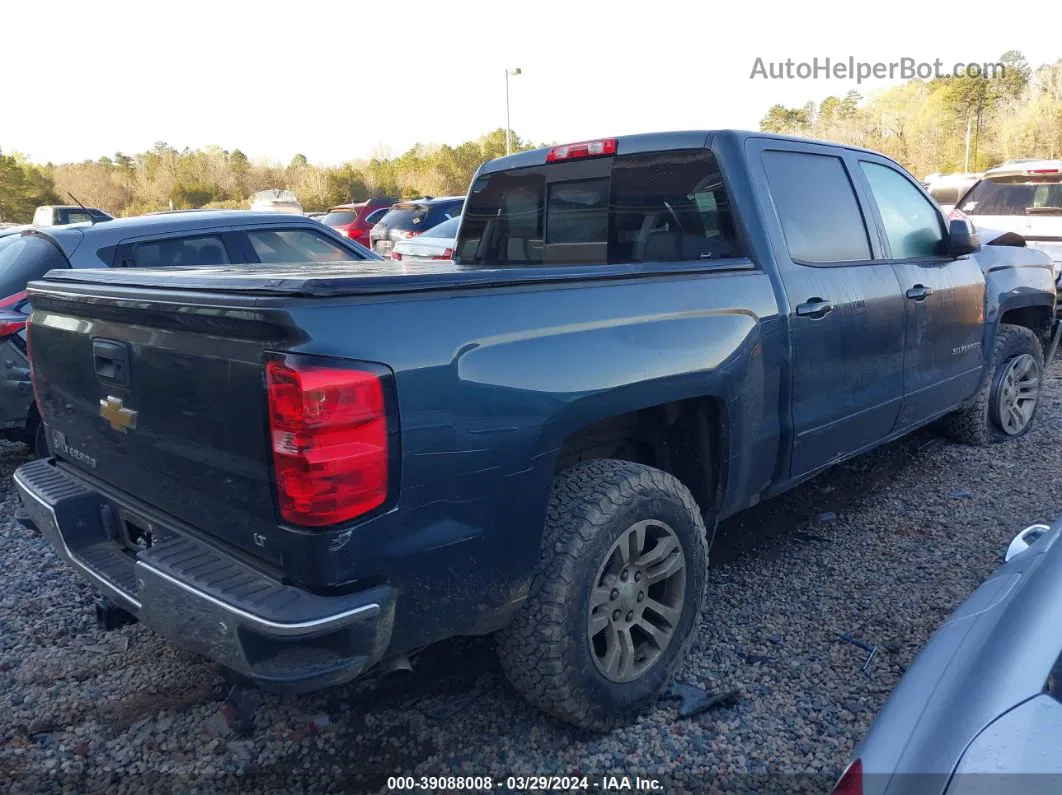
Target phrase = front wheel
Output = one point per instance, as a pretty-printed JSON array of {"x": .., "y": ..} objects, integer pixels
[
  {"x": 1006, "y": 405},
  {"x": 616, "y": 597}
]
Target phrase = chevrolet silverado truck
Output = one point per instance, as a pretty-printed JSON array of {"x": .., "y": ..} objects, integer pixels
[{"x": 309, "y": 472}]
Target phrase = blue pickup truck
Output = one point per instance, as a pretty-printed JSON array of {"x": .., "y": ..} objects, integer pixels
[{"x": 308, "y": 471}]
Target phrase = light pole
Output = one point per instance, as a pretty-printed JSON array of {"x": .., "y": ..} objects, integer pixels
[{"x": 508, "y": 145}]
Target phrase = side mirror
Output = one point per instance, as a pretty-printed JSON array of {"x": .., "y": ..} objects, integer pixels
[{"x": 962, "y": 238}]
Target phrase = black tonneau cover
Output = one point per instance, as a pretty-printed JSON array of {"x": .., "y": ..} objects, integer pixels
[{"x": 359, "y": 278}]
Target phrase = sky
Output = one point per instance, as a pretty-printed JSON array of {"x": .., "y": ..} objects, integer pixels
[{"x": 336, "y": 81}]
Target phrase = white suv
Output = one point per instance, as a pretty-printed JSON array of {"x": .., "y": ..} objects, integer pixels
[{"x": 1021, "y": 196}]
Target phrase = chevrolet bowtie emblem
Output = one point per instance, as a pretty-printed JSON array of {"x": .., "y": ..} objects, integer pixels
[{"x": 120, "y": 418}]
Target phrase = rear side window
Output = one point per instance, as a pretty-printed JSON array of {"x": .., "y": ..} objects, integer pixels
[
  {"x": 181, "y": 252},
  {"x": 297, "y": 245},
  {"x": 74, "y": 217},
  {"x": 659, "y": 207},
  {"x": 375, "y": 216},
  {"x": 24, "y": 258},
  {"x": 668, "y": 207},
  {"x": 817, "y": 207},
  {"x": 989, "y": 197}
]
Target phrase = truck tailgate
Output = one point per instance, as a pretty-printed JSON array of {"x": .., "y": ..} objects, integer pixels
[{"x": 163, "y": 401}]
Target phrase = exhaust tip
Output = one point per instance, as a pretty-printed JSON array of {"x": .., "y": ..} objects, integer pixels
[{"x": 399, "y": 663}]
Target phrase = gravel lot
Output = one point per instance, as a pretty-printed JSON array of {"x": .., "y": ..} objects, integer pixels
[{"x": 881, "y": 549}]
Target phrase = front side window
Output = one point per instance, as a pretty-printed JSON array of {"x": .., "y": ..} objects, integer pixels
[
  {"x": 181, "y": 252},
  {"x": 912, "y": 223},
  {"x": 817, "y": 207},
  {"x": 296, "y": 245}
]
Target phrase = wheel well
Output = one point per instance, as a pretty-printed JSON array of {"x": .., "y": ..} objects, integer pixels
[
  {"x": 685, "y": 438},
  {"x": 1035, "y": 318}
]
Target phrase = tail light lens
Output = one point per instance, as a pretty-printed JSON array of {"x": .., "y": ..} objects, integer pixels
[
  {"x": 957, "y": 215},
  {"x": 448, "y": 254},
  {"x": 396, "y": 255},
  {"x": 9, "y": 327},
  {"x": 851, "y": 781},
  {"x": 330, "y": 441}
]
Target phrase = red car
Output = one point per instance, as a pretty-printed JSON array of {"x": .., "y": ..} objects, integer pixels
[{"x": 355, "y": 220}]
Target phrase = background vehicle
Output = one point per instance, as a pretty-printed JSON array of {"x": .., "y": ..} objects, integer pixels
[
  {"x": 275, "y": 200},
  {"x": 411, "y": 218},
  {"x": 199, "y": 237},
  {"x": 946, "y": 190},
  {"x": 1024, "y": 197},
  {"x": 60, "y": 214},
  {"x": 980, "y": 708},
  {"x": 435, "y": 245},
  {"x": 356, "y": 220},
  {"x": 637, "y": 337}
]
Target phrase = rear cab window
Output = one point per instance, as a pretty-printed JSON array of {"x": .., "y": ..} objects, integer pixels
[
  {"x": 24, "y": 258},
  {"x": 663, "y": 206}
]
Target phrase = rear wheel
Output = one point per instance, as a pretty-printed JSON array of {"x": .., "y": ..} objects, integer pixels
[
  {"x": 616, "y": 597},
  {"x": 1006, "y": 405}
]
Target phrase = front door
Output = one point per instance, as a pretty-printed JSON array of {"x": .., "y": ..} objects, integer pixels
[
  {"x": 846, "y": 311},
  {"x": 944, "y": 297}
]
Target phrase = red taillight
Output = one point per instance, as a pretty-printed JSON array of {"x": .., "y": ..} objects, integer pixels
[
  {"x": 330, "y": 448},
  {"x": 1043, "y": 170},
  {"x": 600, "y": 148},
  {"x": 8, "y": 327},
  {"x": 448, "y": 254},
  {"x": 851, "y": 781},
  {"x": 396, "y": 255},
  {"x": 407, "y": 233},
  {"x": 11, "y": 300},
  {"x": 957, "y": 215}
]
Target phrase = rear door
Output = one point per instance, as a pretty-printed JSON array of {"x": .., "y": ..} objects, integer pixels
[
  {"x": 846, "y": 311},
  {"x": 943, "y": 296}
]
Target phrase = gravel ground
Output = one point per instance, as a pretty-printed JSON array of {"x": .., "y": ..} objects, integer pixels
[{"x": 881, "y": 549}]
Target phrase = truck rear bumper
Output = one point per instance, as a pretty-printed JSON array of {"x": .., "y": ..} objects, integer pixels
[{"x": 283, "y": 638}]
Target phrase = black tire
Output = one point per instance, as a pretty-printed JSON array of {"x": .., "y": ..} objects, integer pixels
[
  {"x": 545, "y": 652},
  {"x": 979, "y": 423}
]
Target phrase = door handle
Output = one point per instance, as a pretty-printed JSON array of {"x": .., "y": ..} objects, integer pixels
[
  {"x": 919, "y": 292},
  {"x": 814, "y": 308}
]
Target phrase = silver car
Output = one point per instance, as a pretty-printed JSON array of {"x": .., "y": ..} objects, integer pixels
[
  {"x": 435, "y": 245},
  {"x": 980, "y": 710}
]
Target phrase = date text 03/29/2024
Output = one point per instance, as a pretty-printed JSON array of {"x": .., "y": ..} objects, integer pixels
[{"x": 606, "y": 783}]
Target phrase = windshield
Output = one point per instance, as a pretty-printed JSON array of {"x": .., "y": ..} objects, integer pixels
[
  {"x": 990, "y": 197},
  {"x": 445, "y": 229},
  {"x": 405, "y": 216},
  {"x": 24, "y": 258},
  {"x": 339, "y": 218}
]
